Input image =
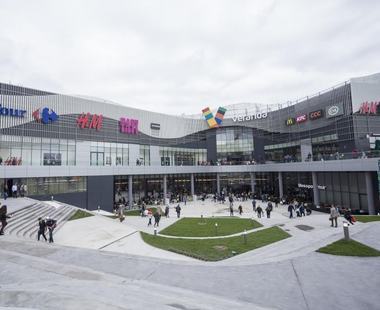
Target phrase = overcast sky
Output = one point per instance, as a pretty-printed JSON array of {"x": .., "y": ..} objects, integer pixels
[{"x": 181, "y": 56}]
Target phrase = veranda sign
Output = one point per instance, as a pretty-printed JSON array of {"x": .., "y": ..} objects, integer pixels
[
  {"x": 245, "y": 118},
  {"x": 309, "y": 186}
]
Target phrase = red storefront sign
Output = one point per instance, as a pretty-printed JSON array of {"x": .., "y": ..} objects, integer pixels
[
  {"x": 130, "y": 126},
  {"x": 88, "y": 120},
  {"x": 369, "y": 107},
  {"x": 316, "y": 114},
  {"x": 301, "y": 118}
]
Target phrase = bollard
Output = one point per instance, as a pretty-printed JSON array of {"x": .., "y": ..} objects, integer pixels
[
  {"x": 345, "y": 231},
  {"x": 98, "y": 208},
  {"x": 155, "y": 231},
  {"x": 245, "y": 236},
  {"x": 52, "y": 198},
  {"x": 216, "y": 228}
]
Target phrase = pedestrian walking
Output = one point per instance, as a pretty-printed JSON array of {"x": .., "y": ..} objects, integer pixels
[
  {"x": 51, "y": 225},
  {"x": 334, "y": 214},
  {"x": 150, "y": 214},
  {"x": 231, "y": 210},
  {"x": 14, "y": 191},
  {"x": 178, "y": 210},
  {"x": 240, "y": 209},
  {"x": 3, "y": 218},
  {"x": 167, "y": 211},
  {"x": 41, "y": 229},
  {"x": 254, "y": 205},
  {"x": 259, "y": 211},
  {"x": 290, "y": 210},
  {"x": 269, "y": 209},
  {"x": 157, "y": 217},
  {"x": 302, "y": 210}
]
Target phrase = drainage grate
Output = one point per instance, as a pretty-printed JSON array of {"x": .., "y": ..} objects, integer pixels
[{"x": 304, "y": 227}]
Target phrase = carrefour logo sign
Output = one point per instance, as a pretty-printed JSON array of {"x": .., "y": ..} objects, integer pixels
[
  {"x": 6, "y": 111},
  {"x": 45, "y": 115}
]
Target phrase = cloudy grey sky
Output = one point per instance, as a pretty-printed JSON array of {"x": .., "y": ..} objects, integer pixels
[{"x": 177, "y": 56}]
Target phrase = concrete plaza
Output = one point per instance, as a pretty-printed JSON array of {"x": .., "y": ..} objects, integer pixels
[{"x": 285, "y": 275}]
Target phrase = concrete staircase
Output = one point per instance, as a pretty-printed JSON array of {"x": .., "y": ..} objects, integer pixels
[{"x": 24, "y": 223}]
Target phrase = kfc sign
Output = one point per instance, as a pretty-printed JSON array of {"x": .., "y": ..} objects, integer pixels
[
  {"x": 369, "y": 107},
  {"x": 90, "y": 121},
  {"x": 129, "y": 126},
  {"x": 316, "y": 114},
  {"x": 301, "y": 118}
]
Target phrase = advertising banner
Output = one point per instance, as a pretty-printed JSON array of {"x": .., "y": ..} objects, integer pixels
[
  {"x": 334, "y": 110},
  {"x": 365, "y": 89}
]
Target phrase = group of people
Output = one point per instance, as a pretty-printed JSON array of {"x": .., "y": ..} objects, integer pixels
[
  {"x": 259, "y": 210},
  {"x": 17, "y": 190},
  {"x": 46, "y": 224},
  {"x": 43, "y": 225},
  {"x": 158, "y": 213},
  {"x": 298, "y": 209},
  {"x": 335, "y": 214}
]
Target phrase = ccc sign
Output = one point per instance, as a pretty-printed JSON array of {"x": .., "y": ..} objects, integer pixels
[{"x": 315, "y": 114}]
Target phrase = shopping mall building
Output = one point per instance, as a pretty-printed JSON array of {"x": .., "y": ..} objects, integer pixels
[{"x": 322, "y": 149}]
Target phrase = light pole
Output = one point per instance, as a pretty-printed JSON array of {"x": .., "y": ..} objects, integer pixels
[
  {"x": 345, "y": 231},
  {"x": 245, "y": 236}
]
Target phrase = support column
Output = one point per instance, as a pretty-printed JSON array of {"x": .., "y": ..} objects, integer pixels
[
  {"x": 253, "y": 182},
  {"x": 192, "y": 184},
  {"x": 369, "y": 189},
  {"x": 165, "y": 189},
  {"x": 130, "y": 191},
  {"x": 280, "y": 185},
  {"x": 315, "y": 188},
  {"x": 218, "y": 183}
]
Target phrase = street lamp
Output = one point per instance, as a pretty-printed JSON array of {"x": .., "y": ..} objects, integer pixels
[
  {"x": 245, "y": 236},
  {"x": 345, "y": 231}
]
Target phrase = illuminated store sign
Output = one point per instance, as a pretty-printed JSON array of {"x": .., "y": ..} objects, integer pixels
[
  {"x": 45, "y": 116},
  {"x": 316, "y": 114},
  {"x": 129, "y": 126},
  {"x": 372, "y": 107},
  {"x": 334, "y": 110},
  {"x": 290, "y": 121},
  {"x": 244, "y": 118},
  {"x": 309, "y": 186},
  {"x": 88, "y": 120},
  {"x": 211, "y": 120},
  {"x": 301, "y": 118},
  {"x": 4, "y": 111}
]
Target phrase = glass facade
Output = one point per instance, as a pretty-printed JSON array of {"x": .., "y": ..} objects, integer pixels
[
  {"x": 47, "y": 186},
  {"x": 234, "y": 145},
  {"x": 174, "y": 156}
]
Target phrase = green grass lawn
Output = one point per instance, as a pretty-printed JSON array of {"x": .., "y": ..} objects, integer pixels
[
  {"x": 197, "y": 227},
  {"x": 137, "y": 212},
  {"x": 349, "y": 248},
  {"x": 367, "y": 218},
  {"x": 79, "y": 214},
  {"x": 217, "y": 249}
]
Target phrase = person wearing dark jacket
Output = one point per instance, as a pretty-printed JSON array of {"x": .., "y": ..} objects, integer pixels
[
  {"x": 178, "y": 210},
  {"x": 269, "y": 209},
  {"x": 3, "y": 218},
  {"x": 51, "y": 224},
  {"x": 259, "y": 211},
  {"x": 157, "y": 217},
  {"x": 290, "y": 210},
  {"x": 41, "y": 229}
]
